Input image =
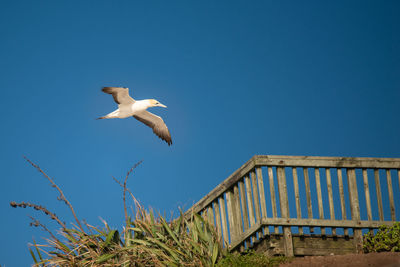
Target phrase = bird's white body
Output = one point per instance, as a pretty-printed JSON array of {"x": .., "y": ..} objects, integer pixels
[{"x": 125, "y": 111}]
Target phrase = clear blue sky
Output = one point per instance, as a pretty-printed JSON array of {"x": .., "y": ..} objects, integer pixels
[{"x": 239, "y": 78}]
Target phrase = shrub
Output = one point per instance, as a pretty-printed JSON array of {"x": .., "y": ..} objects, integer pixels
[
  {"x": 386, "y": 239},
  {"x": 250, "y": 259}
]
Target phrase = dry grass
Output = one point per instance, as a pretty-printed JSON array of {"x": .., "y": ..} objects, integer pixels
[{"x": 146, "y": 240}]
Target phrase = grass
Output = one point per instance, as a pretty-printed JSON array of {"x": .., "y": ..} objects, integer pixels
[{"x": 146, "y": 239}]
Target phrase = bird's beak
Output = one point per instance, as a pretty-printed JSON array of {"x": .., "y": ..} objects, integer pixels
[{"x": 161, "y": 105}]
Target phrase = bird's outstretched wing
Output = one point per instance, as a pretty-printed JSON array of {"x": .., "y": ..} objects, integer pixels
[
  {"x": 120, "y": 95},
  {"x": 157, "y": 124}
]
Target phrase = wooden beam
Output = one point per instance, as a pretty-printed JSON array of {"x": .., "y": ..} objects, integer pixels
[
  {"x": 327, "y": 162},
  {"x": 283, "y": 199}
]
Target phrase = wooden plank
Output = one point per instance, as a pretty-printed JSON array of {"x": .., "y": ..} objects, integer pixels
[
  {"x": 342, "y": 203},
  {"x": 218, "y": 219},
  {"x": 319, "y": 197},
  {"x": 237, "y": 213},
  {"x": 244, "y": 205},
  {"x": 398, "y": 176},
  {"x": 330, "y": 197},
  {"x": 297, "y": 196},
  {"x": 284, "y": 205},
  {"x": 256, "y": 198},
  {"x": 314, "y": 245},
  {"x": 367, "y": 195},
  {"x": 231, "y": 217},
  {"x": 249, "y": 197},
  {"x": 327, "y": 162},
  {"x": 390, "y": 191},
  {"x": 378, "y": 194},
  {"x": 308, "y": 195},
  {"x": 273, "y": 198},
  {"x": 210, "y": 214},
  {"x": 326, "y": 223},
  {"x": 309, "y": 223},
  {"x": 223, "y": 220},
  {"x": 262, "y": 197},
  {"x": 355, "y": 207}
]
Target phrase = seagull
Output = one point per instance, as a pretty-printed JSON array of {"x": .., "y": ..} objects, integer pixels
[{"x": 128, "y": 107}]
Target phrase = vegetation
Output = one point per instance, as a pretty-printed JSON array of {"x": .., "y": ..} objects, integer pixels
[
  {"x": 386, "y": 239},
  {"x": 250, "y": 259},
  {"x": 145, "y": 240}
]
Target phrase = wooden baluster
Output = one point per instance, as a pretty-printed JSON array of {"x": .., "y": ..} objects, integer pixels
[
  {"x": 330, "y": 197},
  {"x": 223, "y": 220},
  {"x": 378, "y": 193},
  {"x": 244, "y": 205},
  {"x": 218, "y": 219},
  {"x": 250, "y": 203},
  {"x": 355, "y": 208},
  {"x": 238, "y": 213},
  {"x": 256, "y": 200},
  {"x": 319, "y": 196},
  {"x": 342, "y": 203},
  {"x": 297, "y": 196},
  {"x": 367, "y": 195},
  {"x": 273, "y": 199},
  {"x": 390, "y": 191},
  {"x": 308, "y": 196},
  {"x": 284, "y": 206},
  {"x": 262, "y": 197},
  {"x": 231, "y": 215}
]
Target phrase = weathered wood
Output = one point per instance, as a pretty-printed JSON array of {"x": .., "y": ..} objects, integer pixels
[
  {"x": 326, "y": 223},
  {"x": 367, "y": 195},
  {"x": 342, "y": 203},
  {"x": 237, "y": 213},
  {"x": 308, "y": 195},
  {"x": 315, "y": 245},
  {"x": 297, "y": 196},
  {"x": 378, "y": 194},
  {"x": 244, "y": 205},
  {"x": 327, "y": 162},
  {"x": 390, "y": 191},
  {"x": 355, "y": 207},
  {"x": 330, "y": 197},
  {"x": 256, "y": 198},
  {"x": 223, "y": 219},
  {"x": 218, "y": 218},
  {"x": 249, "y": 203},
  {"x": 273, "y": 198},
  {"x": 319, "y": 197},
  {"x": 284, "y": 204},
  {"x": 231, "y": 218},
  {"x": 262, "y": 197}
]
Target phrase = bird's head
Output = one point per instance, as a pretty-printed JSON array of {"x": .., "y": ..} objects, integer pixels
[{"x": 155, "y": 103}]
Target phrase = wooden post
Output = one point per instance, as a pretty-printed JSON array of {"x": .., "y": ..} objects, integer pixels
[
  {"x": 256, "y": 200},
  {"x": 231, "y": 215},
  {"x": 319, "y": 197},
  {"x": 330, "y": 197},
  {"x": 237, "y": 213},
  {"x": 342, "y": 203},
  {"x": 262, "y": 197},
  {"x": 223, "y": 219},
  {"x": 244, "y": 205},
  {"x": 297, "y": 196},
  {"x": 367, "y": 195},
  {"x": 250, "y": 203},
  {"x": 308, "y": 196},
  {"x": 283, "y": 197},
  {"x": 390, "y": 191},
  {"x": 273, "y": 198},
  {"x": 355, "y": 208},
  {"x": 218, "y": 218},
  {"x": 378, "y": 193}
]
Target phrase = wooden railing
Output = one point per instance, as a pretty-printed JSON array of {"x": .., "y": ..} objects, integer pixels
[{"x": 303, "y": 185}]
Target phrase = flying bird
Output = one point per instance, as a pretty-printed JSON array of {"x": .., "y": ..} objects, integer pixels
[{"x": 128, "y": 107}]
